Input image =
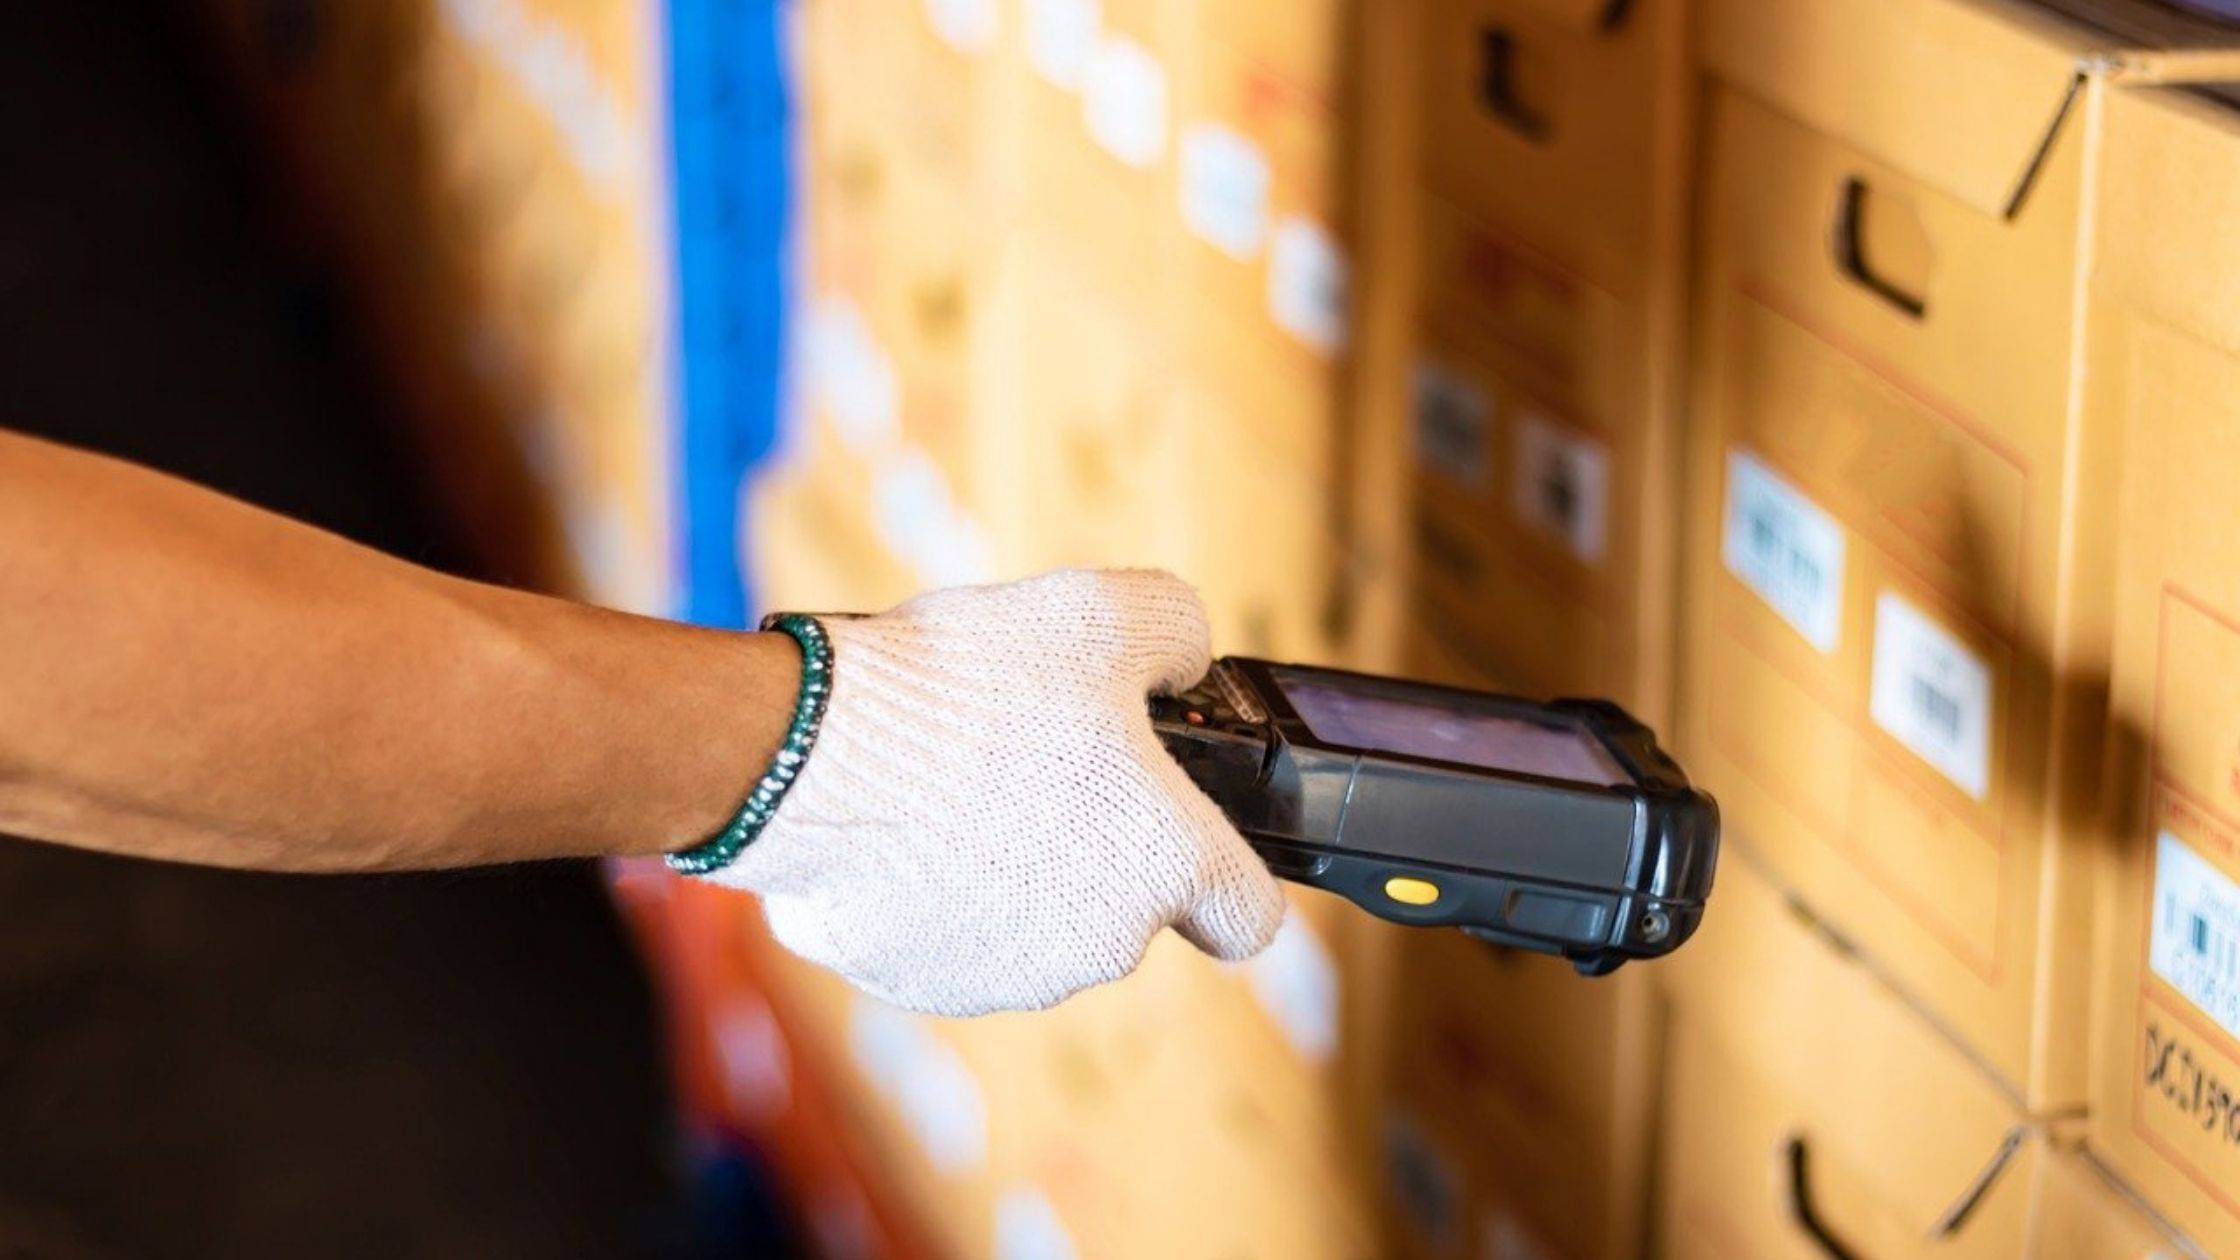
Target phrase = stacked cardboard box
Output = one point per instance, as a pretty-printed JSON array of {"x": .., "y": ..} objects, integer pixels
[
  {"x": 2163, "y": 361},
  {"x": 487, "y": 175},
  {"x": 1541, "y": 199},
  {"x": 1897, "y": 618},
  {"x": 1075, "y": 295},
  {"x": 1845, "y": 385}
]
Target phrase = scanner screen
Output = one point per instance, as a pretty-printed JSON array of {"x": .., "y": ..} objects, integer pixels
[{"x": 1449, "y": 727}]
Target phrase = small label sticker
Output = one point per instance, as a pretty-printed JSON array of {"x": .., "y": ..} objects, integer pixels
[
  {"x": 925, "y": 1080},
  {"x": 1307, "y": 284},
  {"x": 1931, "y": 693},
  {"x": 1297, "y": 984},
  {"x": 1224, "y": 189},
  {"x": 969, "y": 26},
  {"x": 1562, "y": 485},
  {"x": 1451, "y": 419},
  {"x": 1124, "y": 101},
  {"x": 2194, "y": 943},
  {"x": 1781, "y": 545},
  {"x": 854, "y": 380},
  {"x": 1028, "y": 1228},
  {"x": 1061, "y": 35},
  {"x": 919, "y": 521}
]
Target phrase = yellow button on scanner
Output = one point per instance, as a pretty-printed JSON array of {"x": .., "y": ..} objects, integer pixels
[{"x": 1411, "y": 892}]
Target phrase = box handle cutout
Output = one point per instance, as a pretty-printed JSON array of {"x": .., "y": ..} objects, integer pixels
[
  {"x": 1851, "y": 254},
  {"x": 1497, "y": 86},
  {"x": 1797, "y": 1158}
]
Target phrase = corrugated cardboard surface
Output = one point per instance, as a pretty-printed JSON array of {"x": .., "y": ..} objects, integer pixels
[
  {"x": 1815, "y": 1063},
  {"x": 1916, "y": 404},
  {"x": 2165, "y": 367}
]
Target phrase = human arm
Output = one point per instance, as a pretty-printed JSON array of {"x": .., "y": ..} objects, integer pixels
[
  {"x": 984, "y": 822},
  {"x": 184, "y": 676}
]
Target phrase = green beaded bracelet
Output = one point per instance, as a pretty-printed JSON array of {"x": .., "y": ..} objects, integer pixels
[{"x": 722, "y": 848}]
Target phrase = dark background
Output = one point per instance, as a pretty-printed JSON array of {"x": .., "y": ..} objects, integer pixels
[{"x": 207, "y": 1063}]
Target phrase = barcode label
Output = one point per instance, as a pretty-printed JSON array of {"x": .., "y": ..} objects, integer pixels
[
  {"x": 1451, "y": 417},
  {"x": 1307, "y": 284},
  {"x": 1932, "y": 693},
  {"x": 1124, "y": 101},
  {"x": 1562, "y": 485},
  {"x": 1224, "y": 189},
  {"x": 1781, "y": 545},
  {"x": 2194, "y": 943}
]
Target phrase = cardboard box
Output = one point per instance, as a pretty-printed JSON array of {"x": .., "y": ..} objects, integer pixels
[
  {"x": 2077, "y": 1212},
  {"x": 1807, "y": 1111},
  {"x": 1260, "y": 191},
  {"x": 1089, "y": 138},
  {"x": 1261, "y": 534},
  {"x": 1162, "y": 1115},
  {"x": 2164, "y": 364},
  {"x": 1552, "y": 145},
  {"x": 1537, "y": 1078},
  {"x": 808, "y": 544},
  {"x": 1542, "y": 117},
  {"x": 1893, "y": 640},
  {"x": 932, "y": 73},
  {"x": 1517, "y": 560}
]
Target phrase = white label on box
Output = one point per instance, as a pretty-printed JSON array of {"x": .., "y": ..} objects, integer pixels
[
  {"x": 1781, "y": 545},
  {"x": 1224, "y": 189},
  {"x": 855, "y": 381},
  {"x": 1297, "y": 983},
  {"x": 1451, "y": 419},
  {"x": 919, "y": 521},
  {"x": 1562, "y": 485},
  {"x": 1028, "y": 1228},
  {"x": 965, "y": 25},
  {"x": 1307, "y": 284},
  {"x": 1931, "y": 693},
  {"x": 936, "y": 1093},
  {"x": 2194, "y": 943},
  {"x": 1124, "y": 101},
  {"x": 1061, "y": 34}
]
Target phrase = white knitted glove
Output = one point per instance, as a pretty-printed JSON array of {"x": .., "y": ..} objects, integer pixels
[{"x": 987, "y": 821}]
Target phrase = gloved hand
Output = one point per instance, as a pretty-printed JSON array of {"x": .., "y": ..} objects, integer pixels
[{"x": 987, "y": 821}]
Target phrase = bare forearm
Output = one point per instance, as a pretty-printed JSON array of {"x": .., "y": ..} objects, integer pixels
[{"x": 184, "y": 676}]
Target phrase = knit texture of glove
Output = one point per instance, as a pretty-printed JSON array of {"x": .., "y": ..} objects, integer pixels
[{"x": 987, "y": 821}]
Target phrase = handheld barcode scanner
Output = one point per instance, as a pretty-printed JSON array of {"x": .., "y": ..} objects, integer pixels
[{"x": 1558, "y": 827}]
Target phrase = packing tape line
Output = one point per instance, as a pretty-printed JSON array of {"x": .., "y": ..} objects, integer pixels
[
  {"x": 1950, "y": 1221},
  {"x": 2166, "y": 68}
]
